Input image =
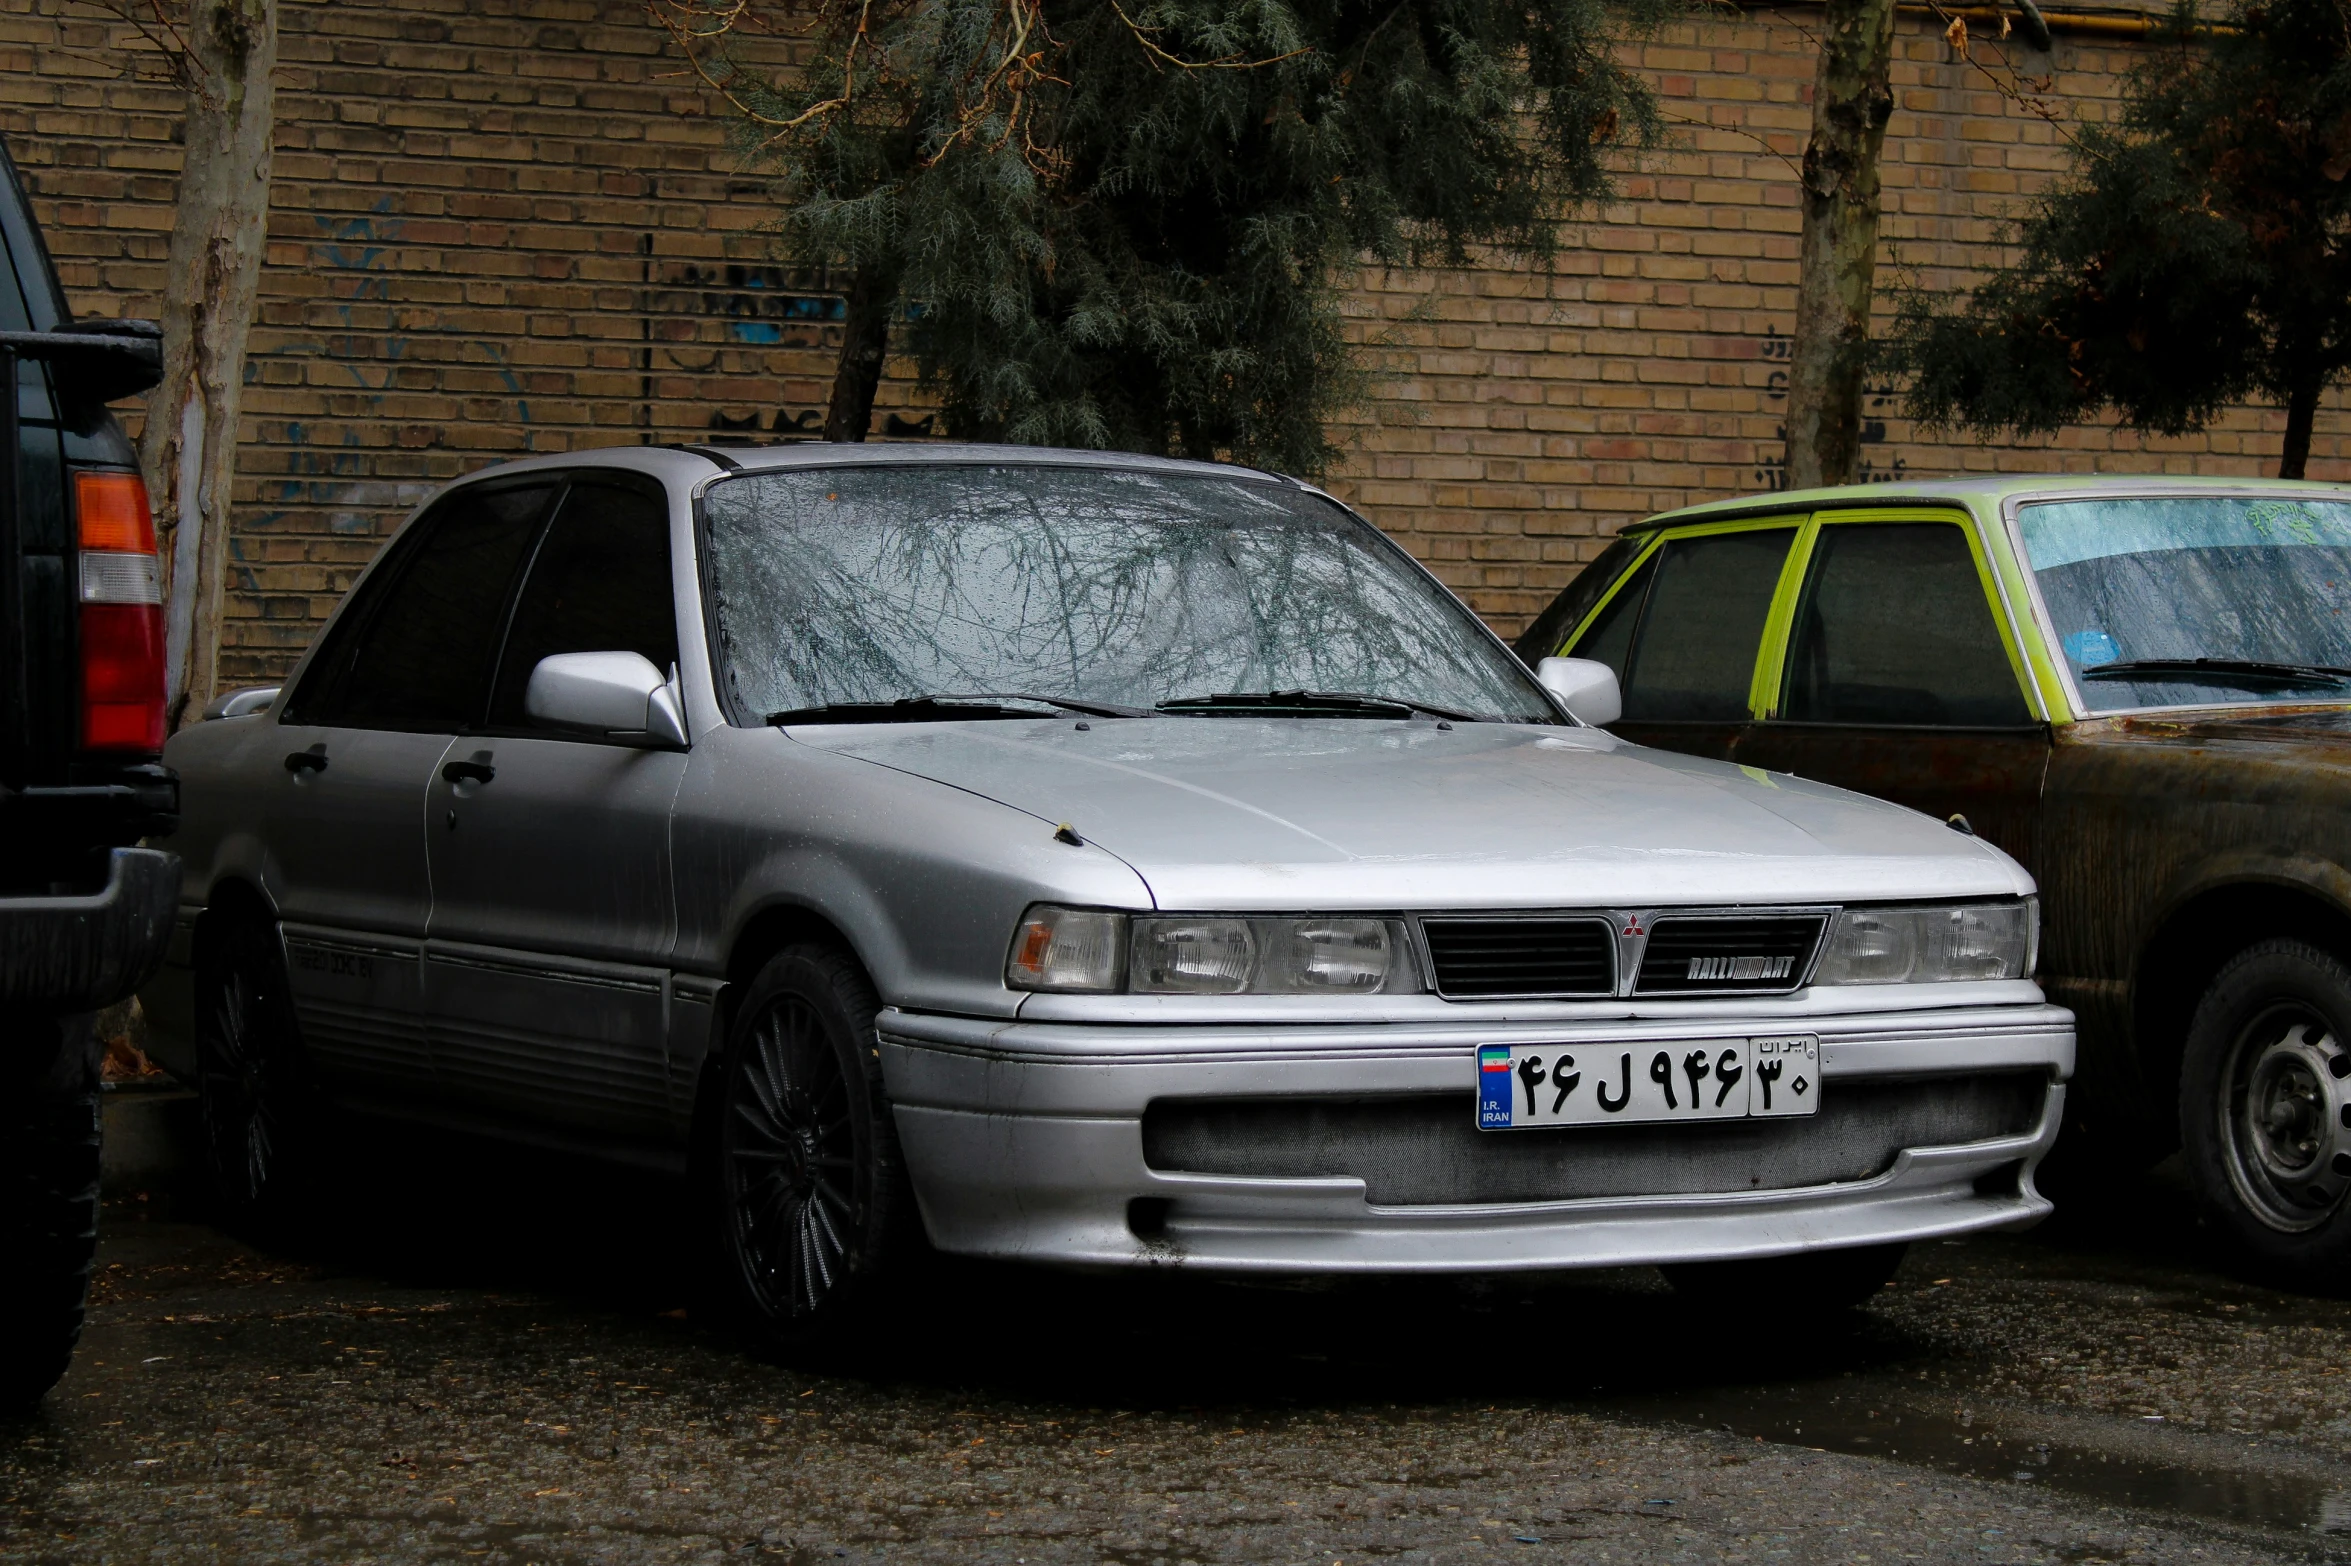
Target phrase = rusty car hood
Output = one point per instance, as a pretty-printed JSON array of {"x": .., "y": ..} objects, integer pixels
[{"x": 1236, "y": 812}]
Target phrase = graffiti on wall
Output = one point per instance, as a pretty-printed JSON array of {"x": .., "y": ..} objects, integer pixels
[
  {"x": 760, "y": 306},
  {"x": 1771, "y": 472}
]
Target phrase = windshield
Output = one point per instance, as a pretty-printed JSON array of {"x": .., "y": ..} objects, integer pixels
[
  {"x": 869, "y": 585},
  {"x": 2262, "y": 584}
]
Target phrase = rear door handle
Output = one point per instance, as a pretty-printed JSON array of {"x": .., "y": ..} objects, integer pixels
[
  {"x": 306, "y": 761},
  {"x": 468, "y": 772}
]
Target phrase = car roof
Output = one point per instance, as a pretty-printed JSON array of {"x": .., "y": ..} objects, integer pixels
[
  {"x": 732, "y": 460},
  {"x": 1984, "y": 494},
  {"x": 831, "y": 454}
]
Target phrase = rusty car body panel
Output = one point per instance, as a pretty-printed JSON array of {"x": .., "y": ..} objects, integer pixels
[{"x": 2164, "y": 842}]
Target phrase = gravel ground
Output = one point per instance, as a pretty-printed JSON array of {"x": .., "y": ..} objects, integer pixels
[{"x": 487, "y": 1359}]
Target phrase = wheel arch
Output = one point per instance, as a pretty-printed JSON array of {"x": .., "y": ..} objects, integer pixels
[
  {"x": 770, "y": 929},
  {"x": 231, "y": 897},
  {"x": 2196, "y": 937}
]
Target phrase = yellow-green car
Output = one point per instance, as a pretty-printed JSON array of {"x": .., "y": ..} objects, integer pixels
[{"x": 2141, "y": 688}]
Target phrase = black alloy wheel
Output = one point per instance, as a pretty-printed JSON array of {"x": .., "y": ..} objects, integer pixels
[
  {"x": 249, "y": 1075},
  {"x": 2265, "y": 1108},
  {"x": 811, "y": 1203},
  {"x": 1837, "y": 1280}
]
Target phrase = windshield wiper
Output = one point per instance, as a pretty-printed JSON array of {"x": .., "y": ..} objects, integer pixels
[
  {"x": 2222, "y": 671},
  {"x": 949, "y": 709},
  {"x": 1353, "y": 704}
]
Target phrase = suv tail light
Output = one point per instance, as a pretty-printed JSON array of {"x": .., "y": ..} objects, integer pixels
[{"x": 121, "y": 614}]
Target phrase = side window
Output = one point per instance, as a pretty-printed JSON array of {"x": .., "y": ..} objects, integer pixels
[
  {"x": 1610, "y": 637},
  {"x": 1894, "y": 628},
  {"x": 416, "y": 652},
  {"x": 600, "y": 583},
  {"x": 1548, "y": 630},
  {"x": 1693, "y": 652}
]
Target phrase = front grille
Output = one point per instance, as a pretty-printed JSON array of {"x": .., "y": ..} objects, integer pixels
[
  {"x": 1743, "y": 955},
  {"x": 1425, "y": 1150},
  {"x": 1494, "y": 957}
]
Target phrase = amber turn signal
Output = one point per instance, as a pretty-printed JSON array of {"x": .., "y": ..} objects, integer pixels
[{"x": 110, "y": 512}]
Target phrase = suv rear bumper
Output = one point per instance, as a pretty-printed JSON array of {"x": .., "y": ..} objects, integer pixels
[
  {"x": 1036, "y": 1142},
  {"x": 66, "y": 954}
]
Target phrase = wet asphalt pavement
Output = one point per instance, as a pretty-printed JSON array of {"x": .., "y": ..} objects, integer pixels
[{"x": 486, "y": 1359}]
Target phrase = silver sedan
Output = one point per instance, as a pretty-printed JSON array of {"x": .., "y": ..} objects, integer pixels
[{"x": 1081, "y": 859}]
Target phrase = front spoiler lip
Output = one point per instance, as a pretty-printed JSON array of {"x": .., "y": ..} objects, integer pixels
[
  {"x": 1058, "y": 1192},
  {"x": 1025, "y": 1143},
  {"x": 1927, "y": 1193},
  {"x": 1661, "y": 1240}
]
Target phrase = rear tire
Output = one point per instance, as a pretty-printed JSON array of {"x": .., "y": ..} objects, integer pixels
[
  {"x": 2265, "y": 1109},
  {"x": 811, "y": 1213},
  {"x": 257, "y": 1111},
  {"x": 1809, "y": 1280},
  {"x": 49, "y": 1125}
]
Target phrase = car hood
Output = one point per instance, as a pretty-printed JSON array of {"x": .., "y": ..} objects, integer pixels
[{"x": 1245, "y": 813}]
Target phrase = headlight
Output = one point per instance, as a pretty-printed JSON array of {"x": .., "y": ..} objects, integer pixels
[
  {"x": 1928, "y": 945},
  {"x": 1209, "y": 954}
]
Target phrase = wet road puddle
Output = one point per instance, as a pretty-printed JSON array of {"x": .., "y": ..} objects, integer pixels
[{"x": 2148, "y": 1464}]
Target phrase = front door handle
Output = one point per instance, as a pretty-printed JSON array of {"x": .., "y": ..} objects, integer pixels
[
  {"x": 468, "y": 772},
  {"x": 302, "y": 761}
]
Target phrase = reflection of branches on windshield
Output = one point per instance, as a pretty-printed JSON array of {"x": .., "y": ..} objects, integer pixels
[{"x": 871, "y": 585}]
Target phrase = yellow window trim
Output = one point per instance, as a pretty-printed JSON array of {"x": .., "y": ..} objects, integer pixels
[
  {"x": 1795, "y": 522},
  {"x": 1768, "y": 682},
  {"x": 1779, "y": 625}
]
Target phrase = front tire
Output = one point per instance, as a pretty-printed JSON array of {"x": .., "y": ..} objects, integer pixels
[
  {"x": 1810, "y": 1280},
  {"x": 810, "y": 1204},
  {"x": 249, "y": 1078},
  {"x": 48, "y": 1197},
  {"x": 2265, "y": 1108}
]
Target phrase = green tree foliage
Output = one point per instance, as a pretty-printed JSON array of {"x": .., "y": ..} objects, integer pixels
[
  {"x": 2199, "y": 253},
  {"x": 1129, "y": 226}
]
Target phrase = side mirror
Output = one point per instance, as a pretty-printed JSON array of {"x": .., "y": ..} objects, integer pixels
[
  {"x": 615, "y": 693},
  {"x": 237, "y": 703},
  {"x": 1585, "y": 687}
]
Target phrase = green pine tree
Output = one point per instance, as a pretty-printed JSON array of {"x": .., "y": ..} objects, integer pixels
[
  {"x": 2199, "y": 253},
  {"x": 1130, "y": 226}
]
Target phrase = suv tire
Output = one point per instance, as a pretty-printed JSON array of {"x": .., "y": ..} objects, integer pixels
[
  {"x": 48, "y": 1197},
  {"x": 2265, "y": 1108},
  {"x": 811, "y": 1213}
]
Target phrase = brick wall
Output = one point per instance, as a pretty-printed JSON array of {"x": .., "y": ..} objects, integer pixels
[{"x": 507, "y": 228}]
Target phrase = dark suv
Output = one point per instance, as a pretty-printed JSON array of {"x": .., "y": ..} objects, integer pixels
[{"x": 84, "y": 912}]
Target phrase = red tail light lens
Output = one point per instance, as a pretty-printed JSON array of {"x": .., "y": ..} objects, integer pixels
[
  {"x": 122, "y": 677},
  {"x": 121, "y": 614}
]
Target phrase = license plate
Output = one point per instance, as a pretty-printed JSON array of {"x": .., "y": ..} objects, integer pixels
[{"x": 1525, "y": 1086}]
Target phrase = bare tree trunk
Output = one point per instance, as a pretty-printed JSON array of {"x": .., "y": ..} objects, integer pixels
[
  {"x": 2301, "y": 417},
  {"x": 189, "y": 446},
  {"x": 865, "y": 340},
  {"x": 1851, "y": 103}
]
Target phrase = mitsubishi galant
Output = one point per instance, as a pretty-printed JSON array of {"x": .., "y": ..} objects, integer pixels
[{"x": 1079, "y": 859}]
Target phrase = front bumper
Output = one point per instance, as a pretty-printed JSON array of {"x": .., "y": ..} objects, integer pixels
[{"x": 1026, "y": 1141}]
